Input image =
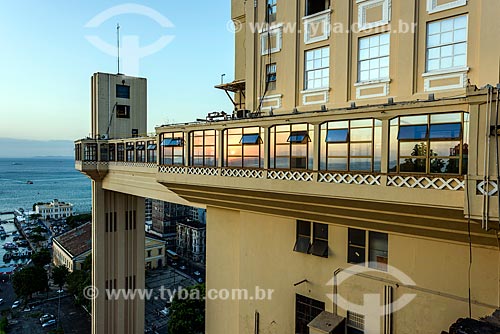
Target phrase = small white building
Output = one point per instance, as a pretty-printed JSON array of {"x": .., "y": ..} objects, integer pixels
[
  {"x": 191, "y": 240},
  {"x": 54, "y": 209}
]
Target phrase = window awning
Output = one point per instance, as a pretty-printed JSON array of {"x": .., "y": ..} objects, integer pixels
[
  {"x": 337, "y": 136},
  {"x": 446, "y": 131},
  {"x": 299, "y": 137},
  {"x": 152, "y": 147},
  {"x": 130, "y": 147},
  {"x": 140, "y": 147},
  {"x": 413, "y": 132},
  {"x": 250, "y": 139},
  {"x": 171, "y": 142},
  {"x": 327, "y": 322}
]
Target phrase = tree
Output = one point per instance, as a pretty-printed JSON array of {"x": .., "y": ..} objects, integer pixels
[
  {"x": 187, "y": 315},
  {"x": 77, "y": 220},
  {"x": 60, "y": 275},
  {"x": 29, "y": 280},
  {"x": 41, "y": 258},
  {"x": 34, "y": 216},
  {"x": 77, "y": 281}
]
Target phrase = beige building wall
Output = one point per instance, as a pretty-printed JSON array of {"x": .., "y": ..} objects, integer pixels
[
  {"x": 154, "y": 252},
  {"x": 256, "y": 250},
  {"x": 408, "y": 79},
  {"x": 113, "y": 116}
]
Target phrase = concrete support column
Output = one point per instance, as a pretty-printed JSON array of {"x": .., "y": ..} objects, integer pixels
[{"x": 118, "y": 261}]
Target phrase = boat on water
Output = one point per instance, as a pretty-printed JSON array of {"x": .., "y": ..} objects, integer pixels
[
  {"x": 29, "y": 182},
  {"x": 16, "y": 164},
  {"x": 10, "y": 245}
]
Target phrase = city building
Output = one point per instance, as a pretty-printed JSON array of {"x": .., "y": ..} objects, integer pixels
[
  {"x": 165, "y": 216},
  {"x": 154, "y": 252},
  {"x": 191, "y": 237},
  {"x": 358, "y": 169},
  {"x": 198, "y": 214},
  {"x": 54, "y": 210},
  {"x": 72, "y": 248}
]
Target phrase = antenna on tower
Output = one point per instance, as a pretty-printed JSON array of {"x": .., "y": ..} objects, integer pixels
[{"x": 118, "y": 44}]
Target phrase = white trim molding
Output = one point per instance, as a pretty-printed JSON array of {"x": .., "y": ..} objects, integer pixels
[
  {"x": 274, "y": 31},
  {"x": 384, "y": 84},
  {"x": 460, "y": 74},
  {"x": 271, "y": 98},
  {"x": 364, "y": 5},
  {"x": 314, "y": 21},
  {"x": 434, "y": 7},
  {"x": 322, "y": 92}
]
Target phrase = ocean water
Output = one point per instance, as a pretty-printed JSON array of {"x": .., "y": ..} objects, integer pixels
[{"x": 52, "y": 178}]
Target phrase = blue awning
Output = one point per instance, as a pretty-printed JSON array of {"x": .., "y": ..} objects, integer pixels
[
  {"x": 251, "y": 139},
  {"x": 337, "y": 136}
]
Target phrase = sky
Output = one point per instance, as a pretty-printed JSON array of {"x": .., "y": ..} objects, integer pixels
[{"x": 47, "y": 59}]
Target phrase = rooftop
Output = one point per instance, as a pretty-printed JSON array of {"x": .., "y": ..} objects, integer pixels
[{"x": 78, "y": 240}]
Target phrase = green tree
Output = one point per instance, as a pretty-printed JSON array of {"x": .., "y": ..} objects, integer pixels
[
  {"x": 34, "y": 216},
  {"x": 77, "y": 220},
  {"x": 60, "y": 275},
  {"x": 77, "y": 281},
  {"x": 41, "y": 258},
  {"x": 187, "y": 315},
  {"x": 29, "y": 280},
  {"x": 3, "y": 325}
]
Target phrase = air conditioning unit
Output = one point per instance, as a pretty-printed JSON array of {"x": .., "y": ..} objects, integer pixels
[
  {"x": 242, "y": 113},
  {"x": 105, "y": 137}
]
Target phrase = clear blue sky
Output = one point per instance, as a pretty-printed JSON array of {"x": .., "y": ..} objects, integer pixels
[{"x": 46, "y": 63}]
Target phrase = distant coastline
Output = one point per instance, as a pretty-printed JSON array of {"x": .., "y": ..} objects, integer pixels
[{"x": 13, "y": 148}]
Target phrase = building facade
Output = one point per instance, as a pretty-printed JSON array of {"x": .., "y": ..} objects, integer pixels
[
  {"x": 72, "y": 248},
  {"x": 359, "y": 166},
  {"x": 165, "y": 216},
  {"x": 154, "y": 252},
  {"x": 191, "y": 238},
  {"x": 54, "y": 210}
]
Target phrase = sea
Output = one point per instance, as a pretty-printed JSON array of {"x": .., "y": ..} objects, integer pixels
[{"x": 51, "y": 178}]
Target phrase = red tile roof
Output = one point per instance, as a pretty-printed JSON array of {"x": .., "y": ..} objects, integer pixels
[{"x": 78, "y": 240}]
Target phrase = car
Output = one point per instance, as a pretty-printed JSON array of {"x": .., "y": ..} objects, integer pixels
[
  {"x": 46, "y": 317},
  {"x": 199, "y": 280},
  {"x": 60, "y": 291},
  {"x": 16, "y": 304},
  {"x": 183, "y": 267},
  {"x": 165, "y": 312},
  {"x": 27, "y": 309},
  {"x": 197, "y": 273},
  {"x": 1, "y": 301},
  {"x": 174, "y": 263},
  {"x": 48, "y": 323}
]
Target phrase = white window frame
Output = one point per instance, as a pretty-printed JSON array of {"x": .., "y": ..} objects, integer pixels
[
  {"x": 370, "y": 58},
  {"x": 306, "y": 71},
  {"x": 317, "y": 18},
  {"x": 363, "y": 5},
  {"x": 272, "y": 31},
  {"x": 433, "y": 7},
  {"x": 440, "y": 46}
]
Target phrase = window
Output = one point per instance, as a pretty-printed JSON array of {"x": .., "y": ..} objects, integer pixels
[
  {"x": 447, "y": 44},
  {"x": 271, "y": 76},
  {"x": 303, "y": 241},
  {"x": 172, "y": 148},
  {"x": 430, "y": 144},
  {"x": 243, "y": 147},
  {"x": 306, "y": 309},
  {"x": 316, "y": 6},
  {"x": 319, "y": 246},
  {"x": 356, "y": 246},
  {"x": 122, "y": 111},
  {"x": 151, "y": 151},
  {"x": 90, "y": 152},
  {"x": 373, "y": 61},
  {"x": 140, "y": 152},
  {"x": 120, "y": 152},
  {"x": 123, "y": 91},
  {"x": 130, "y": 152},
  {"x": 355, "y": 323},
  {"x": 291, "y": 147},
  {"x": 159, "y": 251},
  {"x": 320, "y": 240},
  {"x": 112, "y": 152},
  {"x": 354, "y": 145},
  {"x": 271, "y": 11},
  {"x": 203, "y": 148},
  {"x": 378, "y": 252},
  {"x": 149, "y": 255},
  {"x": 317, "y": 65}
]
